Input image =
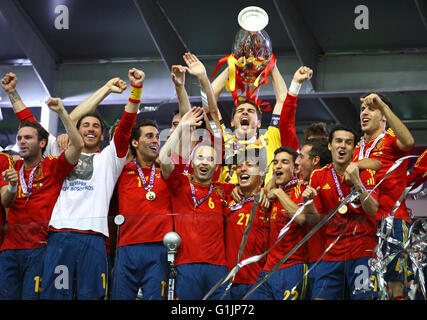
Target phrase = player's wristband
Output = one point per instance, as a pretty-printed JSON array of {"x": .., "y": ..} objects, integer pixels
[
  {"x": 12, "y": 188},
  {"x": 135, "y": 93},
  {"x": 295, "y": 88}
]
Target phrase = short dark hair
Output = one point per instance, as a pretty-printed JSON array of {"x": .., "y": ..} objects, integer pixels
[
  {"x": 287, "y": 149},
  {"x": 383, "y": 97},
  {"x": 258, "y": 111},
  {"x": 344, "y": 128},
  {"x": 79, "y": 122},
  {"x": 317, "y": 129},
  {"x": 136, "y": 133},
  {"x": 42, "y": 134},
  {"x": 319, "y": 148},
  {"x": 113, "y": 129},
  {"x": 251, "y": 154}
]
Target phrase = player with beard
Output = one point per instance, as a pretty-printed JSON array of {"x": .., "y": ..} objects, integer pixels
[
  {"x": 144, "y": 201},
  {"x": 387, "y": 146},
  {"x": 250, "y": 170},
  {"x": 79, "y": 223},
  {"x": 198, "y": 205},
  {"x": 30, "y": 197},
  {"x": 287, "y": 282},
  {"x": 350, "y": 234}
]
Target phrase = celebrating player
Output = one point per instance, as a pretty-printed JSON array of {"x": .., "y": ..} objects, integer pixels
[
  {"x": 30, "y": 197},
  {"x": 246, "y": 120},
  {"x": 198, "y": 206},
  {"x": 79, "y": 223},
  {"x": 144, "y": 201},
  {"x": 350, "y": 233},
  {"x": 249, "y": 174},
  {"x": 387, "y": 146}
]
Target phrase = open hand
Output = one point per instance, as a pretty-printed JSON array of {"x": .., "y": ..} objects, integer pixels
[
  {"x": 178, "y": 75},
  {"x": 193, "y": 117},
  {"x": 194, "y": 66}
]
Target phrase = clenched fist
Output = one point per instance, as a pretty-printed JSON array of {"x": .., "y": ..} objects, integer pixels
[
  {"x": 116, "y": 85},
  {"x": 309, "y": 193},
  {"x": 136, "y": 76},
  {"x": 9, "y": 81},
  {"x": 374, "y": 101},
  {"x": 303, "y": 74},
  {"x": 11, "y": 175},
  {"x": 55, "y": 104}
]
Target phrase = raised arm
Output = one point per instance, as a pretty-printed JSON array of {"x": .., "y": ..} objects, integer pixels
[
  {"x": 178, "y": 78},
  {"x": 405, "y": 140},
  {"x": 72, "y": 153},
  {"x": 89, "y": 105},
  {"x": 280, "y": 89},
  {"x": 218, "y": 85},
  {"x": 9, "y": 83},
  {"x": 196, "y": 68},
  {"x": 288, "y": 134},
  {"x": 124, "y": 129},
  {"x": 192, "y": 118}
]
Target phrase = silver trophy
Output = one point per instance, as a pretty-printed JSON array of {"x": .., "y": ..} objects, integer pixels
[
  {"x": 171, "y": 241},
  {"x": 253, "y": 43}
]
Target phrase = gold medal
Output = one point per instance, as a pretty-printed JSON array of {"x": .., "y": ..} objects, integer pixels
[
  {"x": 150, "y": 195},
  {"x": 343, "y": 209}
]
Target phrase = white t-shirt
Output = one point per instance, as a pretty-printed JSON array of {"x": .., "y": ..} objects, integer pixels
[{"x": 84, "y": 200}]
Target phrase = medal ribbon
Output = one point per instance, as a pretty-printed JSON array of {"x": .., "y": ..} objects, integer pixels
[
  {"x": 27, "y": 189},
  {"x": 290, "y": 183},
  {"x": 363, "y": 155},
  {"x": 198, "y": 202},
  {"x": 187, "y": 165},
  {"x": 337, "y": 183},
  {"x": 239, "y": 205},
  {"x": 147, "y": 186}
]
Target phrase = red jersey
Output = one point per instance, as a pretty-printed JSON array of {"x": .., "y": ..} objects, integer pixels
[
  {"x": 29, "y": 217},
  {"x": 420, "y": 168},
  {"x": 387, "y": 151},
  {"x": 357, "y": 230},
  {"x": 201, "y": 228},
  {"x": 145, "y": 220},
  {"x": 279, "y": 217},
  {"x": 6, "y": 162},
  {"x": 257, "y": 242},
  {"x": 316, "y": 243},
  {"x": 288, "y": 133}
]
